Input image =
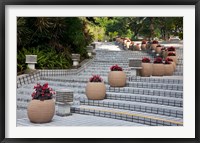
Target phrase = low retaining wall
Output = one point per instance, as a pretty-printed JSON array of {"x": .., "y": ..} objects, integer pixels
[{"x": 38, "y": 74}]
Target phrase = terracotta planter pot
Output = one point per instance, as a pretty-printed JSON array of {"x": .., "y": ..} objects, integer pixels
[
  {"x": 169, "y": 69},
  {"x": 174, "y": 65},
  {"x": 167, "y": 52},
  {"x": 41, "y": 111},
  {"x": 146, "y": 69},
  {"x": 174, "y": 58},
  {"x": 158, "y": 69},
  {"x": 153, "y": 46},
  {"x": 117, "y": 78},
  {"x": 158, "y": 50},
  {"x": 144, "y": 46},
  {"x": 95, "y": 90},
  {"x": 137, "y": 47}
]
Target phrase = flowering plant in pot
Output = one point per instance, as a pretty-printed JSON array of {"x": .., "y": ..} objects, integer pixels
[
  {"x": 42, "y": 92},
  {"x": 146, "y": 67},
  {"x": 41, "y": 108},
  {"x": 145, "y": 60},
  {"x": 116, "y": 77},
  {"x": 158, "y": 60},
  {"x": 137, "y": 47},
  {"x": 95, "y": 88},
  {"x": 168, "y": 68},
  {"x": 116, "y": 68},
  {"x": 144, "y": 42},
  {"x": 144, "y": 45},
  {"x": 154, "y": 44},
  {"x": 173, "y": 63},
  {"x": 172, "y": 56},
  {"x": 171, "y": 48},
  {"x": 158, "y": 48},
  {"x": 158, "y": 67}
]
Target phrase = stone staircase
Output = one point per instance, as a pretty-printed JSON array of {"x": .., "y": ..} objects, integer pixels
[{"x": 154, "y": 101}]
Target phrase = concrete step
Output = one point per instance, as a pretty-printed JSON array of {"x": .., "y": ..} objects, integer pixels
[
  {"x": 144, "y": 91},
  {"x": 132, "y": 116},
  {"x": 158, "y": 79},
  {"x": 170, "y": 101},
  {"x": 76, "y": 120},
  {"x": 161, "y": 86},
  {"x": 137, "y": 106}
]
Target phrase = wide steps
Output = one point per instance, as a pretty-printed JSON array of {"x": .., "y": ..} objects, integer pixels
[
  {"x": 177, "y": 102},
  {"x": 136, "y": 106},
  {"x": 132, "y": 116}
]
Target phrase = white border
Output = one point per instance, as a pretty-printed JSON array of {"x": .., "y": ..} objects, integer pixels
[{"x": 188, "y": 131}]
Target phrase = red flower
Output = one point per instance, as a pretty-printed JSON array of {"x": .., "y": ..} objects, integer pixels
[
  {"x": 42, "y": 92},
  {"x": 159, "y": 45},
  {"x": 158, "y": 60},
  {"x": 169, "y": 59},
  {"x": 95, "y": 78},
  {"x": 146, "y": 60},
  {"x": 155, "y": 42},
  {"x": 144, "y": 41},
  {"x": 171, "y": 54},
  {"x": 116, "y": 68},
  {"x": 167, "y": 62},
  {"x": 171, "y": 48}
]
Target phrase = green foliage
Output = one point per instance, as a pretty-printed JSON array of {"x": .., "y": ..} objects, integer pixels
[{"x": 47, "y": 58}]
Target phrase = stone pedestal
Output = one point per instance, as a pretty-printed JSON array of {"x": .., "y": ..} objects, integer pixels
[
  {"x": 64, "y": 99},
  {"x": 89, "y": 50},
  {"x": 135, "y": 66},
  {"x": 75, "y": 59},
  {"x": 31, "y": 60}
]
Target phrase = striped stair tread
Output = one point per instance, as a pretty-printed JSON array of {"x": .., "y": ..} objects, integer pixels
[
  {"x": 136, "y": 106},
  {"x": 132, "y": 116}
]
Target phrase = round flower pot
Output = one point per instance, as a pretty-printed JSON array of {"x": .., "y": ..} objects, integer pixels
[
  {"x": 146, "y": 69},
  {"x": 117, "y": 78},
  {"x": 174, "y": 58},
  {"x": 137, "y": 47},
  {"x": 153, "y": 46},
  {"x": 174, "y": 65},
  {"x": 95, "y": 90},
  {"x": 41, "y": 111},
  {"x": 158, "y": 50},
  {"x": 169, "y": 69},
  {"x": 144, "y": 46},
  {"x": 167, "y": 52},
  {"x": 158, "y": 69}
]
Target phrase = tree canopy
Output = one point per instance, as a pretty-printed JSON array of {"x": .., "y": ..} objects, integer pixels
[{"x": 55, "y": 38}]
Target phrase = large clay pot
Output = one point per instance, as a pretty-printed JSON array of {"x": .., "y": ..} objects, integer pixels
[
  {"x": 144, "y": 46},
  {"x": 95, "y": 90},
  {"x": 146, "y": 69},
  {"x": 169, "y": 69},
  {"x": 137, "y": 47},
  {"x": 158, "y": 50},
  {"x": 174, "y": 58},
  {"x": 167, "y": 52},
  {"x": 117, "y": 78},
  {"x": 153, "y": 46},
  {"x": 41, "y": 111},
  {"x": 158, "y": 69},
  {"x": 174, "y": 65}
]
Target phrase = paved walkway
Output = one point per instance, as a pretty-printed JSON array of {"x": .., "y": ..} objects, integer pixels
[
  {"x": 79, "y": 120},
  {"x": 143, "y": 101}
]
